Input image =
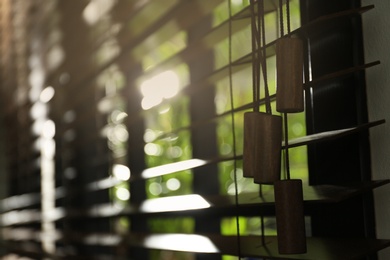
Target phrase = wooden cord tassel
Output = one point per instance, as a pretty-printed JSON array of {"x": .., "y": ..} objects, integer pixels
[
  {"x": 290, "y": 220},
  {"x": 262, "y": 147},
  {"x": 289, "y": 69}
]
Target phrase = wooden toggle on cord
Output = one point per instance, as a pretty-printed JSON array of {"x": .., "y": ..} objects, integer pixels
[{"x": 263, "y": 131}]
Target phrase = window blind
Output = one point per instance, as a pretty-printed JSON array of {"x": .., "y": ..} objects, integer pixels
[{"x": 123, "y": 127}]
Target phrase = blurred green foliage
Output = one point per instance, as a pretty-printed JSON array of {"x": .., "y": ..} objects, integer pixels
[{"x": 176, "y": 146}]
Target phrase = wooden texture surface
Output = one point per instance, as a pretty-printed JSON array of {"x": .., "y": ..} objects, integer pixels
[
  {"x": 290, "y": 219},
  {"x": 289, "y": 74},
  {"x": 262, "y": 147}
]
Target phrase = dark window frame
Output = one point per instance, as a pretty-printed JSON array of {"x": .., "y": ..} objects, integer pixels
[{"x": 337, "y": 104}]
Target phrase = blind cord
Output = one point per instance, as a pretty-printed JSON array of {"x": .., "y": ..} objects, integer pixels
[
  {"x": 261, "y": 20},
  {"x": 281, "y": 18},
  {"x": 287, "y": 158},
  {"x": 285, "y": 117},
  {"x": 233, "y": 128},
  {"x": 260, "y": 8},
  {"x": 260, "y": 57},
  {"x": 288, "y": 16},
  {"x": 257, "y": 38},
  {"x": 255, "y": 67}
]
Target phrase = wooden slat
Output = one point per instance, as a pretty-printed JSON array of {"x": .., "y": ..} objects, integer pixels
[
  {"x": 30, "y": 199},
  {"x": 216, "y": 35},
  {"x": 270, "y": 47},
  {"x": 329, "y": 135},
  {"x": 301, "y": 141},
  {"x": 249, "y": 204},
  {"x": 269, "y": 6},
  {"x": 339, "y": 73},
  {"x": 245, "y": 107},
  {"x": 251, "y": 246},
  {"x": 223, "y": 70},
  {"x": 33, "y": 251},
  {"x": 181, "y": 12},
  {"x": 192, "y": 51}
]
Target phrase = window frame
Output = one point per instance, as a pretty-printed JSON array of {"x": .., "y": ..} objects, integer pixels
[{"x": 356, "y": 217}]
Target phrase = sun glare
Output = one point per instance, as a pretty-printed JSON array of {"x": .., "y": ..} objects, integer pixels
[{"x": 162, "y": 86}]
